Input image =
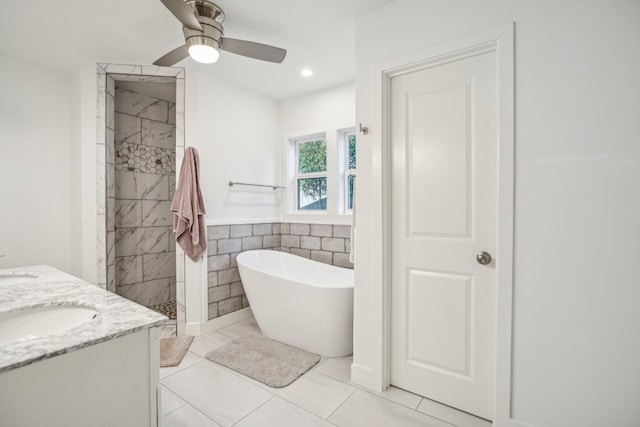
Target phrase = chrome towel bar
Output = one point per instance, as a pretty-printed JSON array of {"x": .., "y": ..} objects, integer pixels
[{"x": 232, "y": 183}]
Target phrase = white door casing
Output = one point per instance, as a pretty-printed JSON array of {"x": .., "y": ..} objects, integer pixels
[{"x": 443, "y": 151}]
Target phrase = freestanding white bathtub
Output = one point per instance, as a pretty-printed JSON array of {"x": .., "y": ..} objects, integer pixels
[{"x": 303, "y": 303}]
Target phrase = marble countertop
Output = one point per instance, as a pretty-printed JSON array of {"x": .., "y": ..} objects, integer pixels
[{"x": 116, "y": 316}]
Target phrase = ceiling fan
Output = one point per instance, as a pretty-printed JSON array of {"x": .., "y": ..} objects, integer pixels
[{"x": 204, "y": 35}]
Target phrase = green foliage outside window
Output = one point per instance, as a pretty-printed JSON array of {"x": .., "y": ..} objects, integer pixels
[
  {"x": 351, "y": 166},
  {"x": 352, "y": 151},
  {"x": 312, "y": 158},
  {"x": 350, "y": 199},
  {"x": 315, "y": 197}
]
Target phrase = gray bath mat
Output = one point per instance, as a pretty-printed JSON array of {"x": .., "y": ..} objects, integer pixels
[
  {"x": 270, "y": 362},
  {"x": 173, "y": 349}
]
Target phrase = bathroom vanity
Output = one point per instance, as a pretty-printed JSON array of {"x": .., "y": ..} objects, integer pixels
[{"x": 72, "y": 354}]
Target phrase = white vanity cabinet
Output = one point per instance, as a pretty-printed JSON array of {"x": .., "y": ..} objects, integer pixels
[
  {"x": 102, "y": 370},
  {"x": 113, "y": 383}
]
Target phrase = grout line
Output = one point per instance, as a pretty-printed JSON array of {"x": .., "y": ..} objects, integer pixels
[
  {"x": 196, "y": 409},
  {"x": 419, "y": 402},
  {"x": 169, "y": 388},
  {"x": 394, "y": 403},
  {"x": 343, "y": 402},
  {"x": 311, "y": 413},
  {"x": 455, "y": 412},
  {"x": 234, "y": 323},
  {"x": 308, "y": 411},
  {"x": 180, "y": 370},
  {"x": 243, "y": 377},
  {"x": 184, "y": 402},
  {"x": 267, "y": 388},
  {"x": 335, "y": 379},
  {"x": 260, "y": 406},
  {"x": 358, "y": 387}
]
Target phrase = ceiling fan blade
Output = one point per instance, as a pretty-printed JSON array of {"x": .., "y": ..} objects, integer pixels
[
  {"x": 173, "y": 57},
  {"x": 184, "y": 13},
  {"x": 254, "y": 50}
]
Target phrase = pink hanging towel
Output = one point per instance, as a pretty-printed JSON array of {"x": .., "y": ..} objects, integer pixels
[{"x": 188, "y": 208}]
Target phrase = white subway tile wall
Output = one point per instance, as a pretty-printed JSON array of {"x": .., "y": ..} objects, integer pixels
[{"x": 324, "y": 243}]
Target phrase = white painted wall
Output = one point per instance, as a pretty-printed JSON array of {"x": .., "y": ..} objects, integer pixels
[
  {"x": 35, "y": 178},
  {"x": 317, "y": 110},
  {"x": 83, "y": 171},
  {"x": 236, "y": 133},
  {"x": 577, "y": 214},
  {"x": 326, "y": 111}
]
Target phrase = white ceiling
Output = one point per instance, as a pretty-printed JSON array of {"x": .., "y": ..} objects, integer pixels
[{"x": 319, "y": 34}]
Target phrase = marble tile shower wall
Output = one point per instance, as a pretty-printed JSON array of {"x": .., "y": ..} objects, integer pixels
[
  {"x": 144, "y": 176},
  {"x": 328, "y": 243}
]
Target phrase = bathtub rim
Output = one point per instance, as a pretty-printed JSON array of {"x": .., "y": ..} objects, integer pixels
[{"x": 306, "y": 283}]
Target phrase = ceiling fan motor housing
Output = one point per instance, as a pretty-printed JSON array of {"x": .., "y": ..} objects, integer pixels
[
  {"x": 210, "y": 17},
  {"x": 204, "y": 35}
]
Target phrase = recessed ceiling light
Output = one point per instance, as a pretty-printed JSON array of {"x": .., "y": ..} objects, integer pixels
[{"x": 306, "y": 72}]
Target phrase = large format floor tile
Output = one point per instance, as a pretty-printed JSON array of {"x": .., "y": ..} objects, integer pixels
[
  {"x": 170, "y": 401},
  {"x": 362, "y": 409},
  {"x": 241, "y": 329},
  {"x": 189, "y": 359},
  {"x": 338, "y": 368},
  {"x": 280, "y": 413},
  {"x": 206, "y": 343},
  {"x": 400, "y": 396},
  {"x": 187, "y": 416},
  {"x": 220, "y": 395},
  {"x": 316, "y": 393}
]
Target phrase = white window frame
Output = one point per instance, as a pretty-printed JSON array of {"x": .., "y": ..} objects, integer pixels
[
  {"x": 297, "y": 142},
  {"x": 337, "y": 149},
  {"x": 344, "y": 141}
]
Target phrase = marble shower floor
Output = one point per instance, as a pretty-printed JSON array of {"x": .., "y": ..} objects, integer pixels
[{"x": 200, "y": 392}]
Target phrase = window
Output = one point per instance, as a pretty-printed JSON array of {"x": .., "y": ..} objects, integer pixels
[
  {"x": 350, "y": 170},
  {"x": 321, "y": 171},
  {"x": 311, "y": 175}
]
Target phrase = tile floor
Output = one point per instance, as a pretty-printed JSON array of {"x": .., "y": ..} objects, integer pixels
[{"x": 201, "y": 393}]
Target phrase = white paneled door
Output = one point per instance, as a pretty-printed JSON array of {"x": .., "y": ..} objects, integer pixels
[{"x": 443, "y": 215}]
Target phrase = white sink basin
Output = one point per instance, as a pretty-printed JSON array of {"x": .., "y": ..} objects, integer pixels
[
  {"x": 42, "y": 322},
  {"x": 7, "y": 279}
]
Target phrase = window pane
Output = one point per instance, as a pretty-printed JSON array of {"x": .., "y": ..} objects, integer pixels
[
  {"x": 312, "y": 194},
  {"x": 312, "y": 156},
  {"x": 352, "y": 152},
  {"x": 351, "y": 180}
]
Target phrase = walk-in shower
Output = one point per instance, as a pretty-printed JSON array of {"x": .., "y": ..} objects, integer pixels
[{"x": 140, "y": 147}]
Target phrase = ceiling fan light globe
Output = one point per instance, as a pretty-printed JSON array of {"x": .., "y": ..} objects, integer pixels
[{"x": 203, "y": 53}]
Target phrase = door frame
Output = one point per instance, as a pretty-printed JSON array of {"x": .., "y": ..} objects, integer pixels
[{"x": 501, "y": 40}]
